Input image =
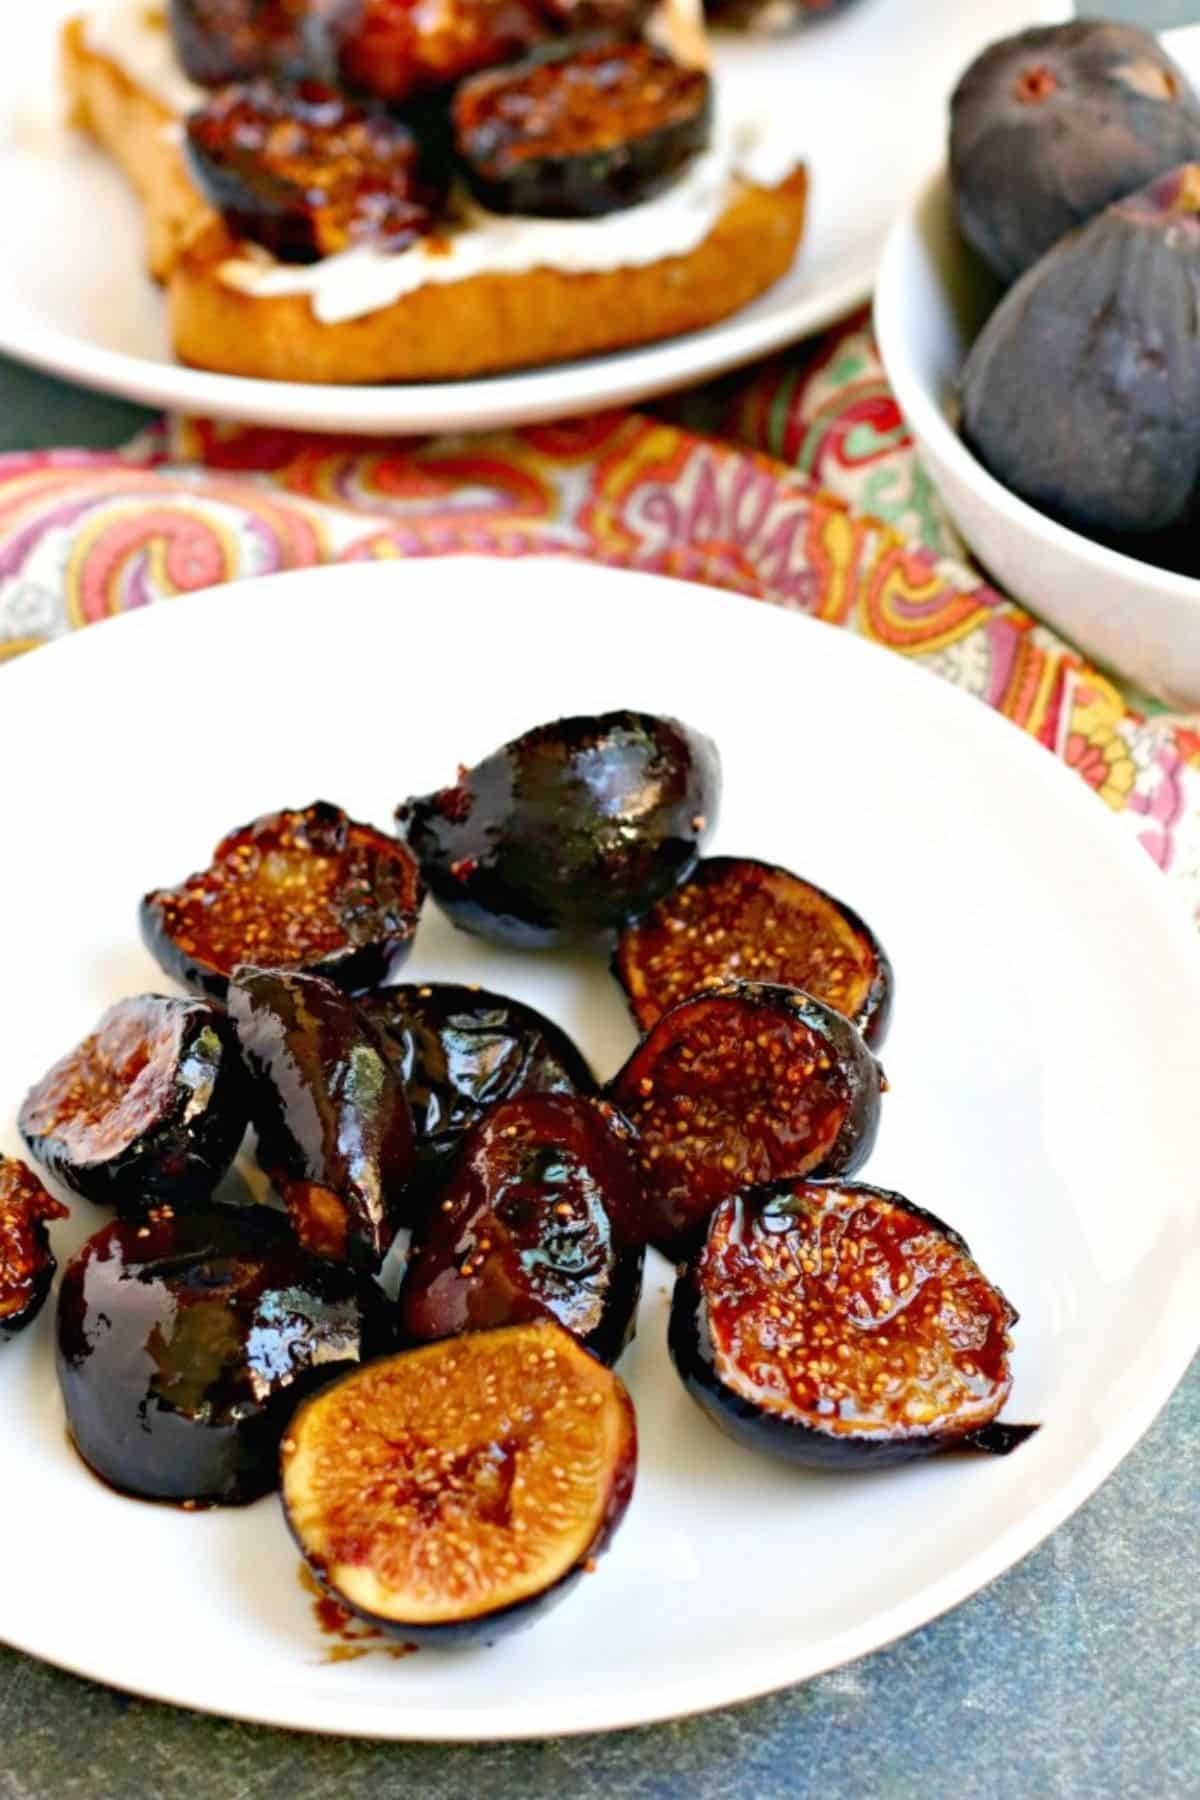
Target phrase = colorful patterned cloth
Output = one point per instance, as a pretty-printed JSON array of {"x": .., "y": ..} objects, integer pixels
[{"x": 795, "y": 483}]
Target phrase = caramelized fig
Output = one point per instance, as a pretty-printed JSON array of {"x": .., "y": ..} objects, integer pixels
[
  {"x": 1082, "y": 393},
  {"x": 306, "y": 173},
  {"x": 185, "y": 1341},
  {"x": 334, "y": 1131},
  {"x": 217, "y": 41},
  {"x": 27, "y": 1264},
  {"x": 539, "y": 1217},
  {"x": 1050, "y": 126},
  {"x": 622, "y": 18},
  {"x": 309, "y": 890},
  {"x": 743, "y": 1084},
  {"x": 461, "y": 1050},
  {"x": 151, "y": 1107},
  {"x": 575, "y": 131},
  {"x": 840, "y": 1325},
  {"x": 452, "y": 1494},
  {"x": 394, "y": 49},
  {"x": 568, "y": 832},
  {"x": 735, "y": 918}
]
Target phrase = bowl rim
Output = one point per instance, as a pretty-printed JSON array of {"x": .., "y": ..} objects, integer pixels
[{"x": 931, "y": 428}]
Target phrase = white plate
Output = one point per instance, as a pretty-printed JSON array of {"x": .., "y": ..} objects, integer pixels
[
  {"x": 867, "y": 90},
  {"x": 1044, "y": 1083},
  {"x": 932, "y": 299}
]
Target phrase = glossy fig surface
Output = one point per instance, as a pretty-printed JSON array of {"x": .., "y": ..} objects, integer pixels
[
  {"x": 150, "y": 1107},
  {"x": 539, "y": 1218},
  {"x": 739, "y": 919},
  {"x": 218, "y": 41},
  {"x": 743, "y": 1084},
  {"x": 395, "y": 49},
  {"x": 460, "y": 1050},
  {"x": 307, "y": 173},
  {"x": 1082, "y": 393},
  {"x": 185, "y": 1341},
  {"x": 579, "y": 130},
  {"x": 335, "y": 1134},
  {"x": 310, "y": 889},
  {"x": 27, "y": 1263},
  {"x": 839, "y": 1325},
  {"x": 569, "y": 831},
  {"x": 452, "y": 1494},
  {"x": 1050, "y": 126}
]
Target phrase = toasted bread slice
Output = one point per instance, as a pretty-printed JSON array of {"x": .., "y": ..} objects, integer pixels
[{"x": 481, "y": 325}]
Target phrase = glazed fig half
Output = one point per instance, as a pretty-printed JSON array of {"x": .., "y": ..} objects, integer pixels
[
  {"x": 27, "y": 1263},
  {"x": 1082, "y": 393},
  {"x": 567, "y": 832}
]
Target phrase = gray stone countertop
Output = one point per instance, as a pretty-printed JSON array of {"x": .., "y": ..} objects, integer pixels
[{"x": 1074, "y": 1677}]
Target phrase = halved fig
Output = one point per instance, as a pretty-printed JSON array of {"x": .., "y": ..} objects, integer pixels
[
  {"x": 306, "y": 172},
  {"x": 27, "y": 1263},
  {"x": 217, "y": 41},
  {"x": 839, "y": 1325},
  {"x": 461, "y": 1050},
  {"x": 566, "y": 833},
  {"x": 539, "y": 1218},
  {"x": 739, "y": 919},
  {"x": 184, "y": 1343},
  {"x": 453, "y": 1493},
  {"x": 334, "y": 1131},
  {"x": 150, "y": 1107},
  {"x": 393, "y": 49},
  {"x": 743, "y": 1084},
  {"x": 310, "y": 890},
  {"x": 578, "y": 130}
]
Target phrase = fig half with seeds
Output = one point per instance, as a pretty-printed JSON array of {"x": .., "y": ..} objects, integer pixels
[
  {"x": 736, "y": 918},
  {"x": 27, "y": 1263},
  {"x": 451, "y": 1494},
  {"x": 217, "y": 41},
  {"x": 839, "y": 1325},
  {"x": 1082, "y": 393},
  {"x": 460, "y": 1050},
  {"x": 335, "y": 1134},
  {"x": 539, "y": 1218},
  {"x": 567, "y": 832},
  {"x": 150, "y": 1107},
  {"x": 743, "y": 1084},
  {"x": 310, "y": 889},
  {"x": 185, "y": 1341},
  {"x": 1050, "y": 126}
]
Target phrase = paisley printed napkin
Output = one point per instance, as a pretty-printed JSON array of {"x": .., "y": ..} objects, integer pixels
[{"x": 795, "y": 483}]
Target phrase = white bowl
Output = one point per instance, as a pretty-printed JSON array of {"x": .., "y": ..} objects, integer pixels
[{"x": 930, "y": 301}]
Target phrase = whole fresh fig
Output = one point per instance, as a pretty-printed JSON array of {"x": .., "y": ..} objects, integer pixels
[
  {"x": 1051, "y": 125},
  {"x": 1082, "y": 393}
]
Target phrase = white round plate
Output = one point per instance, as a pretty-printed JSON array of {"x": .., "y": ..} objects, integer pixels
[
  {"x": 868, "y": 92},
  {"x": 1043, "y": 1100}
]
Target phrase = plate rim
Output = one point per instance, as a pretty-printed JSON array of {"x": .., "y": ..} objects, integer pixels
[{"x": 691, "y": 1694}]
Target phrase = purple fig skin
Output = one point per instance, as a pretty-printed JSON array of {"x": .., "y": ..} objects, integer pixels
[
  {"x": 1082, "y": 393},
  {"x": 1050, "y": 126}
]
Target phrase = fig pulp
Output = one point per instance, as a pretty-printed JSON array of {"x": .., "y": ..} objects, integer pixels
[
  {"x": 184, "y": 1343},
  {"x": 539, "y": 1217},
  {"x": 568, "y": 832},
  {"x": 842, "y": 1326},
  {"x": 451, "y": 1494},
  {"x": 393, "y": 49},
  {"x": 334, "y": 1131},
  {"x": 1050, "y": 126},
  {"x": 308, "y": 890},
  {"x": 27, "y": 1264},
  {"x": 743, "y": 1084},
  {"x": 151, "y": 1107},
  {"x": 1082, "y": 393},
  {"x": 217, "y": 41},
  {"x": 307, "y": 173},
  {"x": 580, "y": 130},
  {"x": 735, "y": 918},
  {"x": 461, "y": 1050}
]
